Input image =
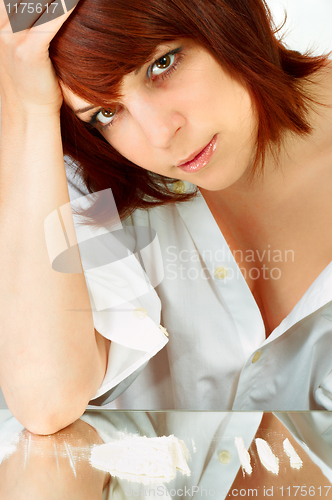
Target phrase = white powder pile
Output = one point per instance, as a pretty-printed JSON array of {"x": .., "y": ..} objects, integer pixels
[
  {"x": 142, "y": 459},
  {"x": 243, "y": 455},
  {"x": 295, "y": 461},
  {"x": 268, "y": 459}
]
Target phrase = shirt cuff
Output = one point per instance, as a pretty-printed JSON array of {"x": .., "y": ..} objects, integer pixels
[{"x": 323, "y": 394}]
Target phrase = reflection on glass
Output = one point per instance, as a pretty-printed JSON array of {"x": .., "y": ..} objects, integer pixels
[{"x": 212, "y": 454}]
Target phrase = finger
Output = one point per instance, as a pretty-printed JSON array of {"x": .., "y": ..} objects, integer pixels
[
  {"x": 24, "y": 15},
  {"x": 18, "y": 17},
  {"x": 54, "y": 10},
  {"x": 4, "y": 18},
  {"x": 30, "y": 14},
  {"x": 39, "y": 37},
  {"x": 50, "y": 22},
  {"x": 24, "y": 8}
]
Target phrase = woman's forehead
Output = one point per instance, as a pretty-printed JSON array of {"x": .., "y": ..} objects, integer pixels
[{"x": 72, "y": 100}]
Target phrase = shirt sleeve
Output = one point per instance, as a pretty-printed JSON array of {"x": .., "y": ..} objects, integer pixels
[
  {"x": 122, "y": 264},
  {"x": 125, "y": 306},
  {"x": 134, "y": 334}
]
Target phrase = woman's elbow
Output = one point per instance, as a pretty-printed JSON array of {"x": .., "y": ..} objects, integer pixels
[
  {"x": 50, "y": 421},
  {"x": 46, "y": 414}
]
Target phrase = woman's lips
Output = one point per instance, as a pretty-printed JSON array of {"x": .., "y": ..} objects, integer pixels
[{"x": 201, "y": 159}]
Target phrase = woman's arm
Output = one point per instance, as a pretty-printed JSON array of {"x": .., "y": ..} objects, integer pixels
[{"x": 51, "y": 360}]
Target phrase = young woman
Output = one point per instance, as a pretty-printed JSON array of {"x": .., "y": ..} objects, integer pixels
[{"x": 160, "y": 97}]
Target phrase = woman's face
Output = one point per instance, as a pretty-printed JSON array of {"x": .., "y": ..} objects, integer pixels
[{"x": 181, "y": 116}]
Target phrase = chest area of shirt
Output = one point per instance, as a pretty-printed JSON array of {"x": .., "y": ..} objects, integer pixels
[{"x": 280, "y": 266}]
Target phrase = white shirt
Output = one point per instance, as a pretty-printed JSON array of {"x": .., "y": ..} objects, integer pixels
[{"x": 217, "y": 356}]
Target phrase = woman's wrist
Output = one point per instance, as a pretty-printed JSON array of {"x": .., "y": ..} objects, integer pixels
[{"x": 18, "y": 111}]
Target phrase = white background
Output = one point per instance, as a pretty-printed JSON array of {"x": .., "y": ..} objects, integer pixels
[{"x": 308, "y": 25}]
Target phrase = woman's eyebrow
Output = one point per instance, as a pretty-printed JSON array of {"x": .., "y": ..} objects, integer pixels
[
  {"x": 161, "y": 48},
  {"x": 138, "y": 70},
  {"x": 84, "y": 110}
]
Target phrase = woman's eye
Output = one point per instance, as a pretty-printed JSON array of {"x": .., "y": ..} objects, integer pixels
[
  {"x": 162, "y": 64},
  {"x": 105, "y": 115}
]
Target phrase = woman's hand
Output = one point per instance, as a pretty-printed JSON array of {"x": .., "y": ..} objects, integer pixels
[{"x": 27, "y": 78}]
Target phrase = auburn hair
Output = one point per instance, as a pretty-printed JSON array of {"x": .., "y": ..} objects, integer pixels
[{"x": 103, "y": 40}]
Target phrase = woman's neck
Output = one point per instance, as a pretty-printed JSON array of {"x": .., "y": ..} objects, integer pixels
[{"x": 299, "y": 159}]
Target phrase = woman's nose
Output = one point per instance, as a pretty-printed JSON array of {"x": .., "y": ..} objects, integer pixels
[{"x": 158, "y": 120}]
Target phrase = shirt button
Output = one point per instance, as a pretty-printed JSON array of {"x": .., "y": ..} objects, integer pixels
[
  {"x": 256, "y": 357},
  {"x": 140, "y": 312},
  {"x": 179, "y": 187},
  {"x": 221, "y": 273},
  {"x": 224, "y": 457}
]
